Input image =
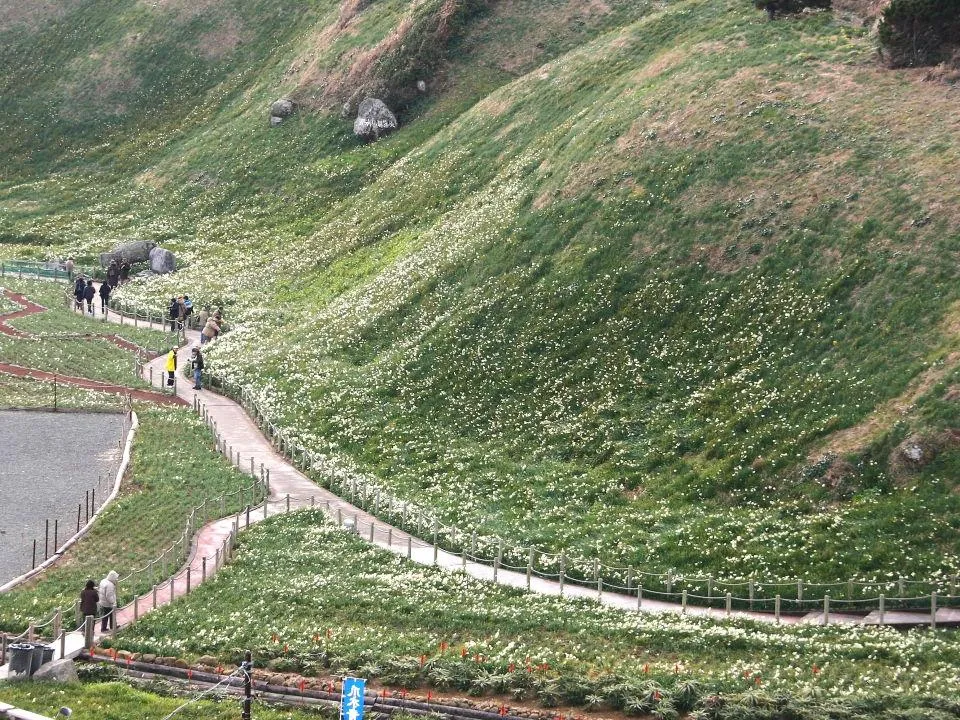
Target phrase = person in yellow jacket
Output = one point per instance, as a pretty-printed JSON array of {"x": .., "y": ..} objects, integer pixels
[{"x": 171, "y": 366}]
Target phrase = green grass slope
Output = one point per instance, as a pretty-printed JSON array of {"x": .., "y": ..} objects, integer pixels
[{"x": 666, "y": 282}]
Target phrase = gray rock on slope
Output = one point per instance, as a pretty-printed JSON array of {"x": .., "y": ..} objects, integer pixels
[
  {"x": 282, "y": 108},
  {"x": 58, "y": 671},
  {"x": 374, "y": 120},
  {"x": 131, "y": 252},
  {"x": 162, "y": 261}
]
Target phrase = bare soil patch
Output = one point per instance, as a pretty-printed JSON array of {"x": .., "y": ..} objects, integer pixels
[{"x": 26, "y": 15}]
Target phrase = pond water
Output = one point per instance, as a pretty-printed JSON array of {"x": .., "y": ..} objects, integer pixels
[{"x": 48, "y": 464}]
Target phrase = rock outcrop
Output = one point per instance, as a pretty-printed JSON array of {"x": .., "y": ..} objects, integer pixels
[
  {"x": 374, "y": 120},
  {"x": 58, "y": 671},
  {"x": 280, "y": 110},
  {"x": 131, "y": 252},
  {"x": 162, "y": 261}
]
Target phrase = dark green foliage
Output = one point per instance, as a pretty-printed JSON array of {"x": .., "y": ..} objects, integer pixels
[
  {"x": 919, "y": 32},
  {"x": 785, "y": 7}
]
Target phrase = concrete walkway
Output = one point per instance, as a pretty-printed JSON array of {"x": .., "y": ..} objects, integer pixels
[{"x": 240, "y": 439}]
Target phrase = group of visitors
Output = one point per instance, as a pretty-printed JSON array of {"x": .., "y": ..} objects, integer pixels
[
  {"x": 101, "y": 600},
  {"x": 84, "y": 292},
  {"x": 196, "y": 366},
  {"x": 180, "y": 310}
]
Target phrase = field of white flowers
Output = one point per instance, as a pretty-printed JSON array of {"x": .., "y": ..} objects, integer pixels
[
  {"x": 609, "y": 292},
  {"x": 335, "y": 604},
  {"x": 523, "y": 325}
]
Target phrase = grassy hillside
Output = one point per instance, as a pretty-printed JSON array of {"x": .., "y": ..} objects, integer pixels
[{"x": 666, "y": 282}]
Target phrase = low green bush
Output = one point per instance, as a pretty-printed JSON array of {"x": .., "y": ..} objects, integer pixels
[
  {"x": 785, "y": 7},
  {"x": 919, "y": 32}
]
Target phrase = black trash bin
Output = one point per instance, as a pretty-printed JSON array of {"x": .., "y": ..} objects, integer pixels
[
  {"x": 21, "y": 658},
  {"x": 36, "y": 659},
  {"x": 47, "y": 654}
]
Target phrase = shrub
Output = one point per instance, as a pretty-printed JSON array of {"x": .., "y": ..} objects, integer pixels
[
  {"x": 919, "y": 32},
  {"x": 785, "y": 7}
]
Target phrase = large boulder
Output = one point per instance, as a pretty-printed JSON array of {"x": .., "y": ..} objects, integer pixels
[
  {"x": 162, "y": 261},
  {"x": 131, "y": 252},
  {"x": 374, "y": 120},
  {"x": 282, "y": 108},
  {"x": 58, "y": 671}
]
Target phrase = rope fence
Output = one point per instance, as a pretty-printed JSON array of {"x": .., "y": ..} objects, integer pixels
[
  {"x": 729, "y": 594},
  {"x": 752, "y": 594}
]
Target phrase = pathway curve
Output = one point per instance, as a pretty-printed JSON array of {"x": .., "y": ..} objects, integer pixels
[{"x": 240, "y": 439}]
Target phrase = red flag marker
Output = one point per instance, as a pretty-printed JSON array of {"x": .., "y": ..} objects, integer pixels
[{"x": 190, "y": 674}]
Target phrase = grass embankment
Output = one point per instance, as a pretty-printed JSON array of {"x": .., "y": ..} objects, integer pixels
[
  {"x": 318, "y": 600},
  {"x": 20, "y": 394},
  {"x": 608, "y": 302},
  {"x": 618, "y": 316},
  {"x": 59, "y": 344},
  {"x": 172, "y": 470},
  {"x": 119, "y": 701}
]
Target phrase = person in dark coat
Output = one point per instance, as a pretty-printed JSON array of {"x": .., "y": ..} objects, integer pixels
[
  {"x": 104, "y": 296},
  {"x": 89, "y": 599},
  {"x": 78, "y": 287},
  {"x": 174, "y": 312},
  {"x": 88, "y": 292},
  {"x": 196, "y": 364},
  {"x": 113, "y": 274}
]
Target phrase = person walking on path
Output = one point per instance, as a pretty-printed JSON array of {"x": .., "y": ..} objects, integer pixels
[
  {"x": 113, "y": 274},
  {"x": 171, "y": 366},
  {"x": 78, "y": 287},
  {"x": 68, "y": 266},
  {"x": 108, "y": 601},
  {"x": 104, "y": 297},
  {"x": 210, "y": 331},
  {"x": 202, "y": 318},
  {"x": 174, "y": 312},
  {"x": 196, "y": 364},
  {"x": 89, "y": 599},
  {"x": 88, "y": 293}
]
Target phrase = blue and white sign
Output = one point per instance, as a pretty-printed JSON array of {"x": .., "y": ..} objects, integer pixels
[{"x": 351, "y": 699}]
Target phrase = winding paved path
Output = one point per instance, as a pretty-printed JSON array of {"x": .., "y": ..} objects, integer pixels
[{"x": 241, "y": 440}]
